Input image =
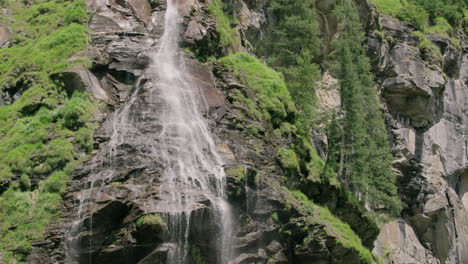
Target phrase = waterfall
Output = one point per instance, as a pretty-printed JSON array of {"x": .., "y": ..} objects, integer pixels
[
  {"x": 192, "y": 176},
  {"x": 189, "y": 152}
]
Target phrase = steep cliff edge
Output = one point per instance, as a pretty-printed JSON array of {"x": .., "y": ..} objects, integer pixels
[{"x": 426, "y": 101}]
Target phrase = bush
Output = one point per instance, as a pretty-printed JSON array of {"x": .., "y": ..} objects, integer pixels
[
  {"x": 275, "y": 101},
  {"x": 228, "y": 35},
  {"x": 55, "y": 183},
  {"x": 75, "y": 111},
  {"x": 390, "y": 7},
  {"x": 414, "y": 14},
  {"x": 76, "y": 13}
]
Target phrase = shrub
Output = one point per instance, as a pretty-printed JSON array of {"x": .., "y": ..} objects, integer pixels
[
  {"x": 55, "y": 183},
  {"x": 228, "y": 35},
  {"x": 269, "y": 85},
  {"x": 414, "y": 14},
  {"x": 390, "y": 7},
  {"x": 76, "y": 13}
]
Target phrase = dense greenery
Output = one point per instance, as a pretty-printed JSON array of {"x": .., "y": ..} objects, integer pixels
[
  {"x": 278, "y": 109},
  {"x": 228, "y": 35},
  {"x": 274, "y": 98},
  {"x": 332, "y": 225},
  {"x": 43, "y": 134},
  {"x": 359, "y": 147},
  {"x": 293, "y": 47},
  {"x": 423, "y": 12}
]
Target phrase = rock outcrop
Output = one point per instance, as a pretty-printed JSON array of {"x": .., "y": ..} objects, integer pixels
[
  {"x": 426, "y": 100},
  {"x": 113, "y": 194},
  {"x": 424, "y": 97}
]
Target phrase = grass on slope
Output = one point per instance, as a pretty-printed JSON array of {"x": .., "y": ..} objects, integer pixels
[
  {"x": 228, "y": 35},
  {"x": 333, "y": 226},
  {"x": 46, "y": 133},
  {"x": 275, "y": 102}
]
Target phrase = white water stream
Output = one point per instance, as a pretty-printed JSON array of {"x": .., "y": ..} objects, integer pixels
[
  {"x": 193, "y": 171},
  {"x": 192, "y": 164}
]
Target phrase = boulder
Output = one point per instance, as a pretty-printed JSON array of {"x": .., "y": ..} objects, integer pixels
[
  {"x": 5, "y": 34},
  {"x": 398, "y": 241},
  {"x": 79, "y": 78}
]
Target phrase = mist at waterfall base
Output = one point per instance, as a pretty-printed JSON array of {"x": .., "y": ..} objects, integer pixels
[{"x": 193, "y": 178}]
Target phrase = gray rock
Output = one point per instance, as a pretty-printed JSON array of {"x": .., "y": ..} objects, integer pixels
[
  {"x": 5, "y": 34},
  {"x": 79, "y": 78},
  {"x": 428, "y": 108}
]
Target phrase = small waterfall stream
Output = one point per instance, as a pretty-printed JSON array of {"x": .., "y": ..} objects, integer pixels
[
  {"x": 192, "y": 164},
  {"x": 192, "y": 176}
]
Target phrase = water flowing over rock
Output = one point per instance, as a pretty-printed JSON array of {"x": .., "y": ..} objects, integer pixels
[{"x": 174, "y": 178}]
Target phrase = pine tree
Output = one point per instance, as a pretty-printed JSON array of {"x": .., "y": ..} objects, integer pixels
[
  {"x": 293, "y": 48},
  {"x": 365, "y": 157}
]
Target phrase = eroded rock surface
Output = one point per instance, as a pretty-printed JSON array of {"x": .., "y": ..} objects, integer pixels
[
  {"x": 425, "y": 105},
  {"x": 426, "y": 100}
]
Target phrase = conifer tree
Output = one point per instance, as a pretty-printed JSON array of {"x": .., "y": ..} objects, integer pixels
[
  {"x": 292, "y": 50},
  {"x": 365, "y": 160}
]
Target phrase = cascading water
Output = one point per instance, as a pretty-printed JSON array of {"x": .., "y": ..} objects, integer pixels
[
  {"x": 192, "y": 176},
  {"x": 191, "y": 160}
]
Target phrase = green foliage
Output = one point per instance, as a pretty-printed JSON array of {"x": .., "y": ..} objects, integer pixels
[
  {"x": 275, "y": 101},
  {"x": 427, "y": 45},
  {"x": 360, "y": 149},
  {"x": 75, "y": 113},
  {"x": 293, "y": 47},
  {"x": 151, "y": 220},
  {"x": 44, "y": 40},
  {"x": 76, "y": 13},
  {"x": 288, "y": 160},
  {"x": 333, "y": 226},
  {"x": 420, "y": 12},
  {"x": 238, "y": 172},
  {"x": 23, "y": 216},
  {"x": 414, "y": 14},
  {"x": 43, "y": 132},
  {"x": 390, "y": 7},
  {"x": 228, "y": 35},
  {"x": 295, "y": 32},
  {"x": 451, "y": 10},
  {"x": 197, "y": 255}
]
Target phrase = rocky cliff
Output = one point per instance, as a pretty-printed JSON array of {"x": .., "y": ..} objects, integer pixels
[{"x": 113, "y": 210}]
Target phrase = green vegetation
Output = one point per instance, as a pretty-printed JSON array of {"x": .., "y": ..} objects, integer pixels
[
  {"x": 154, "y": 220},
  {"x": 278, "y": 108},
  {"x": 293, "y": 47},
  {"x": 228, "y": 35},
  {"x": 43, "y": 134},
  {"x": 333, "y": 226},
  {"x": 197, "y": 255},
  {"x": 422, "y": 12},
  {"x": 274, "y": 98},
  {"x": 238, "y": 172},
  {"x": 430, "y": 17},
  {"x": 288, "y": 160},
  {"x": 390, "y": 7},
  {"x": 359, "y": 147},
  {"x": 427, "y": 45}
]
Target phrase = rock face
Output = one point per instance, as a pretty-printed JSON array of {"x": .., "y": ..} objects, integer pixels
[
  {"x": 426, "y": 101},
  {"x": 424, "y": 98},
  {"x": 105, "y": 210},
  {"x": 424, "y": 95}
]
